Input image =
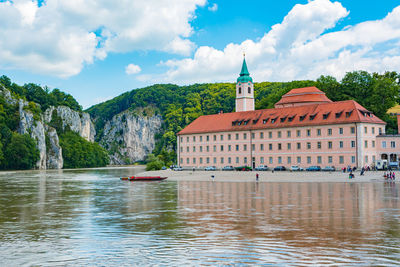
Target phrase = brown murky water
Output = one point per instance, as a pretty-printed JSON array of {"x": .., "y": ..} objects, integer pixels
[{"x": 90, "y": 217}]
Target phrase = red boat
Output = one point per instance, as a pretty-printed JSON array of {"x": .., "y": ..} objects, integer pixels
[{"x": 144, "y": 178}]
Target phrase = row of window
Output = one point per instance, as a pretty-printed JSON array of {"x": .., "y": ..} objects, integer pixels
[
  {"x": 392, "y": 144},
  {"x": 278, "y": 146},
  {"x": 280, "y": 160},
  {"x": 279, "y": 134}
]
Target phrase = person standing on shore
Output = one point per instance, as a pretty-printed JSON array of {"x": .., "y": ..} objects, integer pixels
[{"x": 257, "y": 177}]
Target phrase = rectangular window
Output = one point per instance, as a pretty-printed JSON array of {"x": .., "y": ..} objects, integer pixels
[
  {"x": 253, "y": 147},
  {"x": 353, "y": 143},
  {"x": 208, "y": 149},
  {"x": 201, "y": 160},
  {"x": 289, "y": 160},
  {"x": 298, "y": 133},
  {"x": 298, "y": 145},
  {"x": 373, "y": 158},
  {"x": 373, "y": 130},
  {"x": 194, "y": 138},
  {"x": 253, "y": 135},
  {"x": 270, "y": 146},
  {"x": 319, "y": 132},
  {"x": 244, "y": 136},
  {"x": 319, "y": 145},
  {"x": 383, "y": 144},
  {"x": 222, "y": 148},
  {"x": 298, "y": 160},
  {"x": 366, "y": 159},
  {"x": 201, "y": 138},
  {"x": 208, "y": 160},
  {"x": 245, "y": 160},
  {"x": 353, "y": 159},
  {"x": 330, "y": 144},
  {"x": 237, "y": 136},
  {"x": 237, "y": 160},
  {"x": 279, "y": 134},
  {"x": 222, "y": 137},
  {"x": 262, "y": 160},
  {"x": 215, "y": 148},
  {"x": 308, "y": 145},
  {"x": 289, "y": 146},
  {"x": 289, "y": 134},
  {"x": 309, "y": 160},
  {"x": 279, "y": 146},
  {"x": 229, "y": 136},
  {"x": 222, "y": 160},
  {"x": 319, "y": 159},
  {"x": 270, "y": 160},
  {"x": 365, "y": 130},
  {"x": 341, "y": 144},
  {"x": 194, "y": 149},
  {"x": 279, "y": 160},
  {"x": 237, "y": 147},
  {"x": 392, "y": 144},
  {"x": 187, "y": 149},
  {"x": 181, "y": 139},
  {"x": 269, "y": 134},
  {"x": 229, "y": 148},
  {"x": 229, "y": 160},
  {"x": 194, "y": 160},
  {"x": 201, "y": 149},
  {"x": 380, "y": 130},
  {"x": 215, "y": 160},
  {"x": 329, "y": 131},
  {"x": 187, "y": 139},
  {"x": 187, "y": 161},
  {"x": 308, "y": 132},
  {"x": 330, "y": 159},
  {"x": 373, "y": 143},
  {"x": 244, "y": 147},
  {"x": 353, "y": 130},
  {"x": 261, "y": 135},
  {"x": 366, "y": 144},
  {"x": 341, "y": 159},
  {"x": 215, "y": 138},
  {"x": 181, "y": 149},
  {"x": 340, "y": 130},
  {"x": 208, "y": 138},
  {"x": 261, "y": 147}
]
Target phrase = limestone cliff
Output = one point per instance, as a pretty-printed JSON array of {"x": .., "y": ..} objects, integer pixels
[{"x": 130, "y": 137}]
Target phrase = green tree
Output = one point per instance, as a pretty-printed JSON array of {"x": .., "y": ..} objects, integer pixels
[{"x": 21, "y": 153}]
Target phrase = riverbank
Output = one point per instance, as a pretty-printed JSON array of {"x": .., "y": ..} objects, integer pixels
[{"x": 267, "y": 176}]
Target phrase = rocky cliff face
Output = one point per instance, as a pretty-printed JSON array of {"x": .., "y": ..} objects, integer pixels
[
  {"x": 46, "y": 136},
  {"x": 129, "y": 137}
]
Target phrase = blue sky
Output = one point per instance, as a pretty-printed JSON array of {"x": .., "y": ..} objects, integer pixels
[{"x": 98, "y": 49}]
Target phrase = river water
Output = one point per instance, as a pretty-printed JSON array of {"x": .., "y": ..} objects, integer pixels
[{"x": 90, "y": 217}]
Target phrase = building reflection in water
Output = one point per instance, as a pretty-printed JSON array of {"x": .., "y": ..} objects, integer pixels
[{"x": 313, "y": 213}]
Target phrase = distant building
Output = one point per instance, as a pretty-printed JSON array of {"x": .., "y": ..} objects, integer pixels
[{"x": 305, "y": 128}]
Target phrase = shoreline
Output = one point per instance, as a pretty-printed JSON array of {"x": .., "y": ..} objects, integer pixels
[{"x": 268, "y": 176}]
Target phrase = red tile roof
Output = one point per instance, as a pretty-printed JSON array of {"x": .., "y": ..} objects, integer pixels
[
  {"x": 301, "y": 96},
  {"x": 307, "y": 115}
]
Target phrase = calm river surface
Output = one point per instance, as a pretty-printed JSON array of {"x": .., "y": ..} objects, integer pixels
[{"x": 90, "y": 217}]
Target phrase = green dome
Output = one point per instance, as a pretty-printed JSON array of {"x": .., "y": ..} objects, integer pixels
[{"x": 244, "y": 74}]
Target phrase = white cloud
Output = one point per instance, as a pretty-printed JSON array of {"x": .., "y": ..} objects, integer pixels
[
  {"x": 299, "y": 48},
  {"x": 62, "y": 36},
  {"x": 132, "y": 69},
  {"x": 213, "y": 8}
]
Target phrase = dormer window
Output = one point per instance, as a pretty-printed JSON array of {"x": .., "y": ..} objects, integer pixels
[
  {"x": 291, "y": 118},
  {"x": 326, "y": 115},
  {"x": 255, "y": 121},
  {"x": 246, "y": 122},
  {"x": 312, "y": 116},
  {"x": 338, "y": 114},
  {"x": 283, "y": 119},
  {"x": 273, "y": 120},
  {"x": 348, "y": 114},
  {"x": 265, "y": 120},
  {"x": 303, "y": 117}
]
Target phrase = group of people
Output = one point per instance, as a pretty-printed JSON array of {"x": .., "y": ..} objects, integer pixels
[{"x": 389, "y": 175}]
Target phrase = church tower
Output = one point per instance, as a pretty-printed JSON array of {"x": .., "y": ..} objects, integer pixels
[{"x": 244, "y": 90}]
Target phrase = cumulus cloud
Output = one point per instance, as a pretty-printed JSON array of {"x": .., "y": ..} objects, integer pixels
[
  {"x": 300, "y": 47},
  {"x": 61, "y": 36},
  {"x": 213, "y": 8},
  {"x": 132, "y": 69}
]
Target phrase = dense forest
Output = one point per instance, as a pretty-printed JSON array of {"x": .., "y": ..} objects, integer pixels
[
  {"x": 180, "y": 105},
  {"x": 20, "y": 152}
]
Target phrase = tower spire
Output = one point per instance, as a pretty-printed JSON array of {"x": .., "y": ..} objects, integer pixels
[{"x": 244, "y": 89}]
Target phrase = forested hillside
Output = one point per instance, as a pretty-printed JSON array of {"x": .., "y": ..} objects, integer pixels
[
  {"x": 20, "y": 151},
  {"x": 180, "y": 105}
]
